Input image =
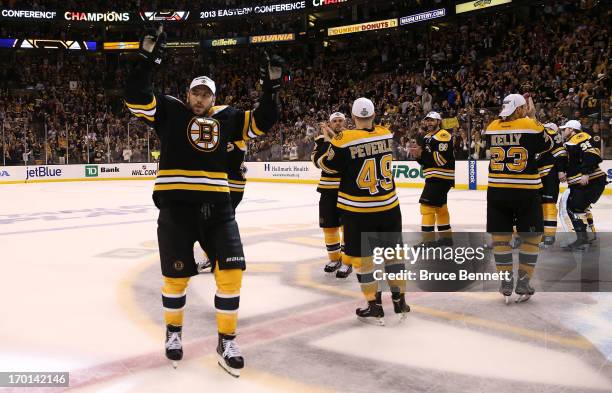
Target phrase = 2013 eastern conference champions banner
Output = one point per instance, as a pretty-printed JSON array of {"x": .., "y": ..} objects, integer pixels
[{"x": 115, "y": 16}]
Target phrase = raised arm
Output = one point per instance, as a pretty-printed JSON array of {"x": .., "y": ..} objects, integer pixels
[
  {"x": 260, "y": 120},
  {"x": 138, "y": 94}
]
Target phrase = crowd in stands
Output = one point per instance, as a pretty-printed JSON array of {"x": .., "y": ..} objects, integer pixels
[
  {"x": 559, "y": 54},
  {"x": 66, "y": 107}
]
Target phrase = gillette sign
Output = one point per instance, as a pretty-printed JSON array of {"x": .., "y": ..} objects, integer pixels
[{"x": 423, "y": 16}]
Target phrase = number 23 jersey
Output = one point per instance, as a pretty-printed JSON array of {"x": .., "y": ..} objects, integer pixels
[{"x": 513, "y": 168}]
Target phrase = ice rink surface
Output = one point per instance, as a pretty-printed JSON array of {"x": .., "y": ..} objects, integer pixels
[{"x": 81, "y": 293}]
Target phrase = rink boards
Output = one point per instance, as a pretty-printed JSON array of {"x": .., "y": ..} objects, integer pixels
[{"x": 468, "y": 174}]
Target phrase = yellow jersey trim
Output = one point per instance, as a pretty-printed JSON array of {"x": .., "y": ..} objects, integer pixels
[
  {"x": 367, "y": 198},
  {"x": 182, "y": 172},
  {"x": 148, "y": 106},
  {"x": 190, "y": 187},
  {"x": 368, "y": 209}
]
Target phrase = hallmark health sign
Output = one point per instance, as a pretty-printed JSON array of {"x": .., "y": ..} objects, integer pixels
[{"x": 288, "y": 170}]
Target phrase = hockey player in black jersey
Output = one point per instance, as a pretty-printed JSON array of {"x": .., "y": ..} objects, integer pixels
[
  {"x": 192, "y": 189},
  {"x": 585, "y": 179},
  {"x": 552, "y": 166},
  {"x": 513, "y": 193},
  {"x": 329, "y": 216},
  {"x": 436, "y": 156},
  {"x": 362, "y": 158}
]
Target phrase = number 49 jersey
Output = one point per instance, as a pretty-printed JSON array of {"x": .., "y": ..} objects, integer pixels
[
  {"x": 513, "y": 168},
  {"x": 362, "y": 159}
]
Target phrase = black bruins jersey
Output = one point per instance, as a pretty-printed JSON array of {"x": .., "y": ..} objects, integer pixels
[
  {"x": 363, "y": 160},
  {"x": 437, "y": 157},
  {"x": 554, "y": 160},
  {"x": 327, "y": 183},
  {"x": 193, "y": 161},
  {"x": 236, "y": 170},
  {"x": 583, "y": 159},
  {"x": 513, "y": 168}
]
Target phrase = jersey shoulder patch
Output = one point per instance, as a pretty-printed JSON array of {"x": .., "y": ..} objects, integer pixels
[
  {"x": 442, "y": 136},
  {"x": 216, "y": 109},
  {"x": 578, "y": 138},
  {"x": 344, "y": 137}
]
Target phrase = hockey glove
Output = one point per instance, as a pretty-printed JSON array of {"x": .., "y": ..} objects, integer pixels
[
  {"x": 153, "y": 44},
  {"x": 271, "y": 72}
]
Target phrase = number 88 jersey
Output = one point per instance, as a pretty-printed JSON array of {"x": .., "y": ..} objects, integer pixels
[
  {"x": 513, "y": 168},
  {"x": 438, "y": 158},
  {"x": 363, "y": 159}
]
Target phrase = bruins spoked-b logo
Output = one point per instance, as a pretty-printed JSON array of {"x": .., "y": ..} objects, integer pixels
[
  {"x": 178, "y": 265},
  {"x": 203, "y": 133}
]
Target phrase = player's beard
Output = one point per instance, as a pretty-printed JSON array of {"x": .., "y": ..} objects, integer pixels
[{"x": 200, "y": 110}]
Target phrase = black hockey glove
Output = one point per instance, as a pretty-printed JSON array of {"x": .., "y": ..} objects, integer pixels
[
  {"x": 153, "y": 44},
  {"x": 271, "y": 72}
]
